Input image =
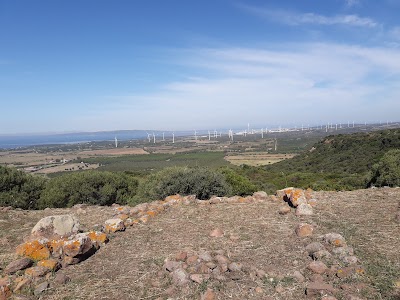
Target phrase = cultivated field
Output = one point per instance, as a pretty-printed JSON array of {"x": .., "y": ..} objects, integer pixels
[{"x": 257, "y": 158}]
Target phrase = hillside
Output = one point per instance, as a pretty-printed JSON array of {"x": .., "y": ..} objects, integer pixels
[
  {"x": 337, "y": 162},
  {"x": 343, "y": 154},
  {"x": 261, "y": 242}
]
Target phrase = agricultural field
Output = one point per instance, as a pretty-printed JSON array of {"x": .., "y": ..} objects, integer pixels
[{"x": 257, "y": 159}]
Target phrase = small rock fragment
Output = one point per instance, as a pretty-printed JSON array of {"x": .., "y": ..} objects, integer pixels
[
  {"x": 304, "y": 230},
  {"x": 317, "y": 267},
  {"x": 208, "y": 295},
  {"x": 40, "y": 288},
  {"x": 217, "y": 233},
  {"x": 298, "y": 276},
  {"x": 304, "y": 209}
]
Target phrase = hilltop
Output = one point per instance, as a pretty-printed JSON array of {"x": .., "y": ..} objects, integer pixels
[{"x": 255, "y": 236}]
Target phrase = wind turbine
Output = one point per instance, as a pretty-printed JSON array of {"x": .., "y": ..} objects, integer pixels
[
  {"x": 276, "y": 144},
  {"x": 209, "y": 135},
  {"x": 163, "y": 137},
  {"x": 173, "y": 138},
  {"x": 154, "y": 138},
  {"x": 116, "y": 142},
  {"x": 148, "y": 137},
  {"x": 262, "y": 133},
  {"x": 195, "y": 134}
]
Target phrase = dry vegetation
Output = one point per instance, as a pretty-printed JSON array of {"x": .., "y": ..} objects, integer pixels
[
  {"x": 257, "y": 158},
  {"x": 130, "y": 266}
]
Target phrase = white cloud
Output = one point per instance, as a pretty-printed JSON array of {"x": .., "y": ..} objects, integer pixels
[
  {"x": 291, "y": 18},
  {"x": 291, "y": 84}
]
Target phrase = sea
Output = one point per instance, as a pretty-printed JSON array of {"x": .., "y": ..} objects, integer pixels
[{"x": 22, "y": 141}]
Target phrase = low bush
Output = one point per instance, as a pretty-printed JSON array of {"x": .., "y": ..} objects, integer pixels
[
  {"x": 201, "y": 182},
  {"x": 91, "y": 187},
  {"x": 18, "y": 189}
]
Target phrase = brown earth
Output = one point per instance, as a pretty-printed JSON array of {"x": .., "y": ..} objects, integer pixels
[{"x": 255, "y": 235}]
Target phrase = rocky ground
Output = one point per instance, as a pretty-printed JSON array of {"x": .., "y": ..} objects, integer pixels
[{"x": 334, "y": 245}]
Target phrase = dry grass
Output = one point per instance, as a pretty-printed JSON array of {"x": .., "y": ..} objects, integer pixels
[
  {"x": 257, "y": 159},
  {"x": 130, "y": 266}
]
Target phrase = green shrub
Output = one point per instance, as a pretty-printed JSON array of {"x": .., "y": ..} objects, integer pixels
[
  {"x": 91, "y": 187},
  {"x": 387, "y": 171},
  {"x": 240, "y": 185},
  {"x": 201, "y": 182},
  {"x": 18, "y": 189}
]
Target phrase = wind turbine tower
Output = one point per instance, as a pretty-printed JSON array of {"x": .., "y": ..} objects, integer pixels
[
  {"x": 116, "y": 142},
  {"x": 209, "y": 135},
  {"x": 195, "y": 134},
  {"x": 154, "y": 138},
  {"x": 173, "y": 138},
  {"x": 262, "y": 133},
  {"x": 163, "y": 137}
]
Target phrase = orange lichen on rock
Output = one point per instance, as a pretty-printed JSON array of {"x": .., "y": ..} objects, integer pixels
[
  {"x": 50, "y": 264},
  {"x": 151, "y": 213},
  {"x": 37, "y": 250},
  {"x": 113, "y": 225},
  {"x": 98, "y": 237},
  {"x": 144, "y": 219},
  {"x": 123, "y": 217},
  {"x": 56, "y": 247}
]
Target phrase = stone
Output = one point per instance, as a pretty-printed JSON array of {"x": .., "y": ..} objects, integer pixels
[
  {"x": 37, "y": 271},
  {"x": 298, "y": 276},
  {"x": 181, "y": 256},
  {"x": 221, "y": 259},
  {"x": 191, "y": 260},
  {"x": 235, "y": 267},
  {"x": 345, "y": 272},
  {"x": 335, "y": 239},
  {"x": 350, "y": 260},
  {"x": 68, "y": 260},
  {"x": 40, "y": 288},
  {"x": 304, "y": 230},
  {"x": 343, "y": 251},
  {"x": 321, "y": 254},
  {"x": 61, "y": 278},
  {"x": 217, "y": 233},
  {"x": 314, "y": 247},
  {"x": 36, "y": 249},
  {"x": 205, "y": 256},
  {"x": 98, "y": 238},
  {"x": 297, "y": 197},
  {"x": 114, "y": 225},
  {"x": 5, "y": 293},
  {"x": 78, "y": 245},
  {"x": 22, "y": 283},
  {"x": 284, "y": 194},
  {"x": 54, "y": 227},
  {"x": 260, "y": 273},
  {"x": 260, "y": 196},
  {"x": 328, "y": 298},
  {"x": 317, "y": 267},
  {"x": 304, "y": 209},
  {"x": 171, "y": 265},
  {"x": 50, "y": 264},
  {"x": 4, "y": 281},
  {"x": 208, "y": 295},
  {"x": 319, "y": 288},
  {"x": 199, "y": 278},
  {"x": 284, "y": 210},
  {"x": 138, "y": 208},
  {"x": 180, "y": 277},
  {"x": 17, "y": 265},
  {"x": 316, "y": 278}
]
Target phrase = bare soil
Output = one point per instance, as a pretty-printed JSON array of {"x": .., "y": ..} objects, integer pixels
[{"x": 130, "y": 265}]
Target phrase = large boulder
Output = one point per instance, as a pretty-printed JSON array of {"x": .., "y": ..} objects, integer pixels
[{"x": 56, "y": 227}]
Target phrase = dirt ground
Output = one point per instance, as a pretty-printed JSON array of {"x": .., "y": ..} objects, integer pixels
[
  {"x": 130, "y": 265},
  {"x": 257, "y": 159}
]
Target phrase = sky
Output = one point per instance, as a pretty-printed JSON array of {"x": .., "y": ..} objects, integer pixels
[{"x": 97, "y": 65}]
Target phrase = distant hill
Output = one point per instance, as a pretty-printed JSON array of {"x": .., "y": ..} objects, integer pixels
[
  {"x": 337, "y": 162},
  {"x": 350, "y": 154}
]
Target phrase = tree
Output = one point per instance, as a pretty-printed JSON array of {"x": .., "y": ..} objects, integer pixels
[
  {"x": 18, "y": 189},
  {"x": 387, "y": 171}
]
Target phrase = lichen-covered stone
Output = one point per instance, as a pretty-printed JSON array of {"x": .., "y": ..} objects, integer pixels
[
  {"x": 37, "y": 271},
  {"x": 114, "y": 225},
  {"x": 79, "y": 244},
  {"x": 304, "y": 230},
  {"x": 36, "y": 250},
  {"x": 50, "y": 264}
]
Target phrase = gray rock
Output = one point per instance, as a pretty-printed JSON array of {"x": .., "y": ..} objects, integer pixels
[
  {"x": 314, "y": 247},
  {"x": 17, "y": 265},
  {"x": 180, "y": 277},
  {"x": 304, "y": 209},
  {"x": 56, "y": 226},
  {"x": 40, "y": 288}
]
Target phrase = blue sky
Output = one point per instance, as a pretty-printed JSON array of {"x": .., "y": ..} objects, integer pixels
[{"x": 92, "y": 65}]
